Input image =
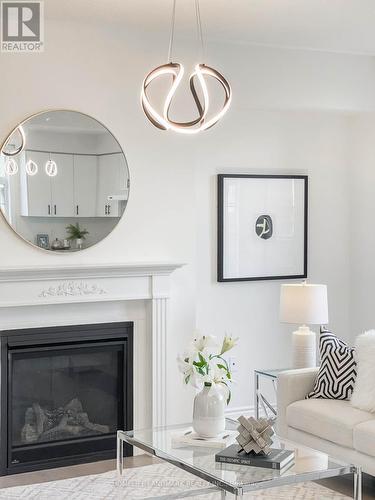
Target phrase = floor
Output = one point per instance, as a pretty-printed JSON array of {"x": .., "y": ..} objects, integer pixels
[
  {"x": 343, "y": 485},
  {"x": 72, "y": 471}
]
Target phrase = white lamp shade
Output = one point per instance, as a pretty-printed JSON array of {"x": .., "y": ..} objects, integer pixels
[{"x": 304, "y": 304}]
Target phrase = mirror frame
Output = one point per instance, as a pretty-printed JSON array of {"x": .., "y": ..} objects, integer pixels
[{"x": 50, "y": 110}]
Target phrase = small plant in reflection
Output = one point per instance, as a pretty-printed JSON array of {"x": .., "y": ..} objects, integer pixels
[{"x": 75, "y": 232}]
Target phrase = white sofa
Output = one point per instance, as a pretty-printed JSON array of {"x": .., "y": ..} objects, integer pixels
[{"x": 332, "y": 426}]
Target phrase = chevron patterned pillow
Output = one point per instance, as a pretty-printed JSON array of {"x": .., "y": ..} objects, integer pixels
[{"x": 338, "y": 368}]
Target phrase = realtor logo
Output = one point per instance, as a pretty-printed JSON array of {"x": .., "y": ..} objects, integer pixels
[{"x": 22, "y": 26}]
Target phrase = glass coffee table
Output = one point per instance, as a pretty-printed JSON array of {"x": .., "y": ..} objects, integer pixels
[{"x": 309, "y": 464}]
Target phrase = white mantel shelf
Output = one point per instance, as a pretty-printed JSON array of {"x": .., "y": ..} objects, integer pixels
[
  {"x": 42, "y": 285},
  {"x": 77, "y": 271},
  {"x": 23, "y": 287}
]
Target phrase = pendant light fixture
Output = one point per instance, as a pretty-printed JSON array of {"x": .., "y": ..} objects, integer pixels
[
  {"x": 11, "y": 166},
  {"x": 162, "y": 119},
  {"x": 20, "y": 148},
  {"x": 31, "y": 168},
  {"x": 51, "y": 168}
]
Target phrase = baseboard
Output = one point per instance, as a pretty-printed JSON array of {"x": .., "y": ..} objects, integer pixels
[
  {"x": 238, "y": 411},
  {"x": 242, "y": 410}
]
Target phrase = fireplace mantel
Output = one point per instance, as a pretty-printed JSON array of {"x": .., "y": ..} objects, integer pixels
[
  {"x": 42, "y": 285},
  {"x": 36, "y": 273},
  {"x": 23, "y": 287}
]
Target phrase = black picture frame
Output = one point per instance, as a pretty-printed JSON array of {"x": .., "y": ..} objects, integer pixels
[{"x": 220, "y": 228}]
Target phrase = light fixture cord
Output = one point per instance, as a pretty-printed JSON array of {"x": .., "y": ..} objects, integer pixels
[
  {"x": 171, "y": 37},
  {"x": 200, "y": 31}
]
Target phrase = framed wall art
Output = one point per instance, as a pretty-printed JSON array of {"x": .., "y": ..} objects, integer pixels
[{"x": 262, "y": 227}]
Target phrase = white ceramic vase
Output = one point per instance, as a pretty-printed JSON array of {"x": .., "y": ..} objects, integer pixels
[
  {"x": 79, "y": 243},
  {"x": 208, "y": 412}
]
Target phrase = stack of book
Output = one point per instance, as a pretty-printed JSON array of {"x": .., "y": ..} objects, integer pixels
[
  {"x": 276, "y": 459},
  {"x": 188, "y": 437}
]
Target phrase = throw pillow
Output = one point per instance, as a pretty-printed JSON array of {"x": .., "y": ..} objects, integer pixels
[
  {"x": 364, "y": 391},
  {"x": 337, "y": 372}
]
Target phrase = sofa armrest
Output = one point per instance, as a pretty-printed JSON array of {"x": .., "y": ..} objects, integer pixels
[{"x": 292, "y": 385}]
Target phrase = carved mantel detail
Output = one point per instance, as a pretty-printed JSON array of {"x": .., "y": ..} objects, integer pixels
[{"x": 72, "y": 288}]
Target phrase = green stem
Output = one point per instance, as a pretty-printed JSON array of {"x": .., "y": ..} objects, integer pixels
[{"x": 222, "y": 359}]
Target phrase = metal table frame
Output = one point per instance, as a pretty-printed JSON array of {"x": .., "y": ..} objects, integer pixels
[
  {"x": 260, "y": 401},
  {"x": 223, "y": 486}
]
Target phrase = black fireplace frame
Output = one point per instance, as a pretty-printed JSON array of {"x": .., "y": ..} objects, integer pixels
[{"x": 53, "y": 337}]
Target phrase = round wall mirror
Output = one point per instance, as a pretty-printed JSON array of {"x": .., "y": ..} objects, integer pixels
[{"x": 64, "y": 181}]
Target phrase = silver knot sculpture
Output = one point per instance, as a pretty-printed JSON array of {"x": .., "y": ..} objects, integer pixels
[{"x": 255, "y": 435}]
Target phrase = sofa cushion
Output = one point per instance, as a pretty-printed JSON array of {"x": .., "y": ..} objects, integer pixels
[
  {"x": 337, "y": 372},
  {"x": 364, "y": 437},
  {"x": 329, "y": 419},
  {"x": 364, "y": 390}
]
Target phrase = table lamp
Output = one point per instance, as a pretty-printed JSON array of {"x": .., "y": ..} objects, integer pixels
[{"x": 304, "y": 304}]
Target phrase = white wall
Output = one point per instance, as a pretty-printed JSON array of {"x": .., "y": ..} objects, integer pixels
[
  {"x": 276, "y": 142},
  {"x": 287, "y": 116},
  {"x": 362, "y": 210}
]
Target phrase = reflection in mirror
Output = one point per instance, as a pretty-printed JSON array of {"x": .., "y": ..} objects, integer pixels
[{"x": 64, "y": 181}]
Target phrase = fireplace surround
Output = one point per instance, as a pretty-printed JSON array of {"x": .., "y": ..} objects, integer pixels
[
  {"x": 44, "y": 296},
  {"x": 65, "y": 391}
]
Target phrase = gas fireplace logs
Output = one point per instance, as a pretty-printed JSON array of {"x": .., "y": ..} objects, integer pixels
[{"x": 65, "y": 422}]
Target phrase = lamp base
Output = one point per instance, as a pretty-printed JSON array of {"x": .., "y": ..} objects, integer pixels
[{"x": 304, "y": 348}]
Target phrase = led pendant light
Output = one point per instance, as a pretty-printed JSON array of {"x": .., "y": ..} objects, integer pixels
[
  {"x": 162, "y": 119},
  {"x": 20, "y": 148},
  {"x": 11, "y": 166},
  {"x": 31, "y": 168},
  {"x": 51, "y": 168}
]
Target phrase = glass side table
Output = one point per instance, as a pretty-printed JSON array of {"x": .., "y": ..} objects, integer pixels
[{"x": 259, "y": 398}]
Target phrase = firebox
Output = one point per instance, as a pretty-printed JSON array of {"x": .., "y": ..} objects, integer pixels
[{"x": 65, "y": 391}]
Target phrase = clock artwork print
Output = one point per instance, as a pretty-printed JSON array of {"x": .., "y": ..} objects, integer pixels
[{"x": 264, "y": 227}]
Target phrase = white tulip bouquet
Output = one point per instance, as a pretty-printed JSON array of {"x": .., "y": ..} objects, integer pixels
[{"x": 204, "y": 364}]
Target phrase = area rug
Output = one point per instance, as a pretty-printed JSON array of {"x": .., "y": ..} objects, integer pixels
[{"x": 152, "y": 481}]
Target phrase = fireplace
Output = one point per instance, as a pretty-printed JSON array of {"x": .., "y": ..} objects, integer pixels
[{"x": 65, "y": 391}]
